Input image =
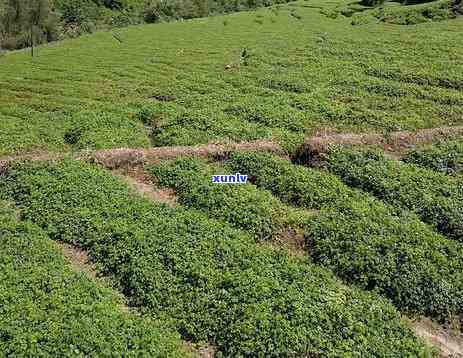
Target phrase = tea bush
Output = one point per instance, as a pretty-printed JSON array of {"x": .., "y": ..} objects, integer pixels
[
  {"x": 47, "y": 309},
  {"x": 241, "y": 205},
  {"x": 364, "y": 241},
  {"x": 215, "y": 283},
  {"x": 208, "y": 89},
  {"x": 293, "y": 184},
  {"x": 446, "y": 157},
  {"x": 435, "y": 197}
]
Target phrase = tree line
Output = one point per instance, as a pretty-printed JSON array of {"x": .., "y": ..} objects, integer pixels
[{"x": 24, "y": 23}]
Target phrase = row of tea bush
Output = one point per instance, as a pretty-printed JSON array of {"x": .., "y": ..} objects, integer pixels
[
  {"x": 48, "y": 309},
  {"x": 215, "y": 283}
]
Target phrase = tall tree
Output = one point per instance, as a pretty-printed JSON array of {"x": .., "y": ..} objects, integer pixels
[
  {"x": 26, "y": 18},
  {"x": 37, "y": 17}
]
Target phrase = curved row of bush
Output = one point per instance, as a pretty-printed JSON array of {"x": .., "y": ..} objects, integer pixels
[
  {"x": 241, "y": 205},
  {"x": 365, "y": 241},
  {"x": 435, "y": 197},
  {"x": 216, "y": 284},
  {"x": 446, "y": 157},
  {"x": 48, "y": 310}
]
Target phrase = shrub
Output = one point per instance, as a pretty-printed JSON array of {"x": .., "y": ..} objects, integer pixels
[
  {"x": 364, "y": 241},
  {"x": 446, "y": 157},
  {"x": 47, "y": 309},
  {"x": 242, "y": 205},
  {"x": 293, "y": 184},
  {"x": 434, "y": 196},
  {"x": 216, "y": 284}
]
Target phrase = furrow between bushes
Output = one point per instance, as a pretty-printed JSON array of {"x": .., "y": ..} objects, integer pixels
[
  {"x": 435, "y": 197},
  {"x": 215, "y": 284},
  {"x": 48, "y": 309},
  {"x": 364, "y": 241}
]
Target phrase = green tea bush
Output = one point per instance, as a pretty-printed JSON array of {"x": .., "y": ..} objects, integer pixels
[
  {"x": 398, "y": 257},
  {"x": 364, "y": 241},
  {"x": 435, "y": 197},
  {"x": 242, "y": 205},
  {"x": 48, "y": 310},
  {"x": 446, "y": 157},
  {"x": 215, "y": 283},
  {"x": 293, "y": 184}
]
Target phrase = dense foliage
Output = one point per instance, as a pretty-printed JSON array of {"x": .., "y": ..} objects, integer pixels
[
  {"x": 242, "y": 205},
  {"x": 411, "y": 12},
  {"x": 48, "y": 310},
  {"x": 70, "y": 18},
  {"x": 293, "y": 184},
  {"x": 233, "y": 78},
  {"x": 25, "y": 23},
  {"x": 215, "y": 283},
  {"x": 434, "y": 196},
  {"x": 445, "y": 156},
  {"x": 364, "y": 241}
]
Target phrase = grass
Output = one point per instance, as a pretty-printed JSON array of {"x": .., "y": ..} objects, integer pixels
[
  {"x": 215, "y": 284},
  {"x": 163, "y": 87}
]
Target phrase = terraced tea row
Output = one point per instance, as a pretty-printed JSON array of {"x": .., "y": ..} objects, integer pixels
[
  {"x": 215, "y": 284},
  {"x": 47, "y": 309},
  {"x": 239, "y": 77},
  {"x": 435, "y": 197},
  {"x": 362, "y": 240},
  {"x": 445, "y": 156}
]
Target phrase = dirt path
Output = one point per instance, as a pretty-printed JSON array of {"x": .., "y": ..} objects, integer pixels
[
  {"x": 448, "y": 342},
  {"x": 127, "y": 157},
  {"x": 395, "y": 143},
  {"x": 140, "y": 181}
]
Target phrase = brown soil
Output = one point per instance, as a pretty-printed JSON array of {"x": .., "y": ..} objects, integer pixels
[
  {"x": 78, "y": 259},
  {"x": 449, "y": 341},
  {"x": 124, "y": 158},
  {"x": 139, "y": 180},
  {"x": 293, "y": 241},
  {"x": 202, "y": 352},
  {"x": 395, "y": 143}
]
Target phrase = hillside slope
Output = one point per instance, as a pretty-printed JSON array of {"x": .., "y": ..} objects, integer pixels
[{"x": 276, "y": 73}]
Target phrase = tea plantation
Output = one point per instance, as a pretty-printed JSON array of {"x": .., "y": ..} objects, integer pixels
[
  {"x": 339, "y": 252},
  {"x": 238, "y": 77},
  {"x": 47, "y": 309},
  {"x": 435, "y": 197},
  {"x": 364, "y": 241},
  {"x": 445, "y": 156},
  {"x": 215, "y": 284}
]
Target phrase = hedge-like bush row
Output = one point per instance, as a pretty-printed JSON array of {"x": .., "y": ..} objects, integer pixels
[
  {"x": 446, "y": 157},
  {"x": 243, "y": 206},
  {"x": 216, "y": 284},
  {"x": 293, "y": 184},
  {"x": 365, "y": 241},
  {"x": 435, "y": 197},
  {"x": 49, "y": 310}
]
